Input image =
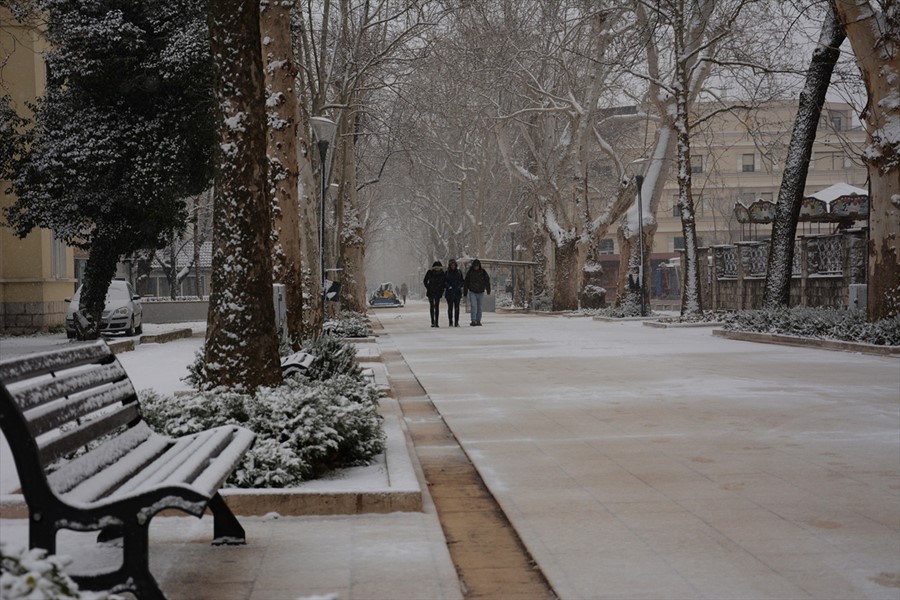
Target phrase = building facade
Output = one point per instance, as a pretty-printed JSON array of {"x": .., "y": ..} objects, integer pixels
[{"x": 37, "y": 272}]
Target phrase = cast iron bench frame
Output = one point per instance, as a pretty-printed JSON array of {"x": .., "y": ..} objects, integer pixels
[{"x": 53, "y": 404}]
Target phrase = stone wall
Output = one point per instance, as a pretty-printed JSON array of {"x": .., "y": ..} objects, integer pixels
[{"x": 18, "y": 318}]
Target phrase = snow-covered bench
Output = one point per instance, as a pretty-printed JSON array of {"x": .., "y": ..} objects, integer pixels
[{"x": 80, "y": 401}]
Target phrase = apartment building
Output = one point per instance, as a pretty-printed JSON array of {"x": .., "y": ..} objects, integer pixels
[
  {"x": 739, "y": 157},
  {"x": 37, "y": 272}
]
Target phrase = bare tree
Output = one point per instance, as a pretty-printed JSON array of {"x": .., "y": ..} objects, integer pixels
[
  {"x": 241, "y": 344},
  {"x": 873, "y": 28},
  {"x": 282, "y": 105},
  {"x": 793, "y": 182}
]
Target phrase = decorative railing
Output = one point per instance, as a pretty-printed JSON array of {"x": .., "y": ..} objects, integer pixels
[
  {"x": 825, "y": 255},
  {"x": 726, "y": 262},
  {"x": 757, "y": 257}
]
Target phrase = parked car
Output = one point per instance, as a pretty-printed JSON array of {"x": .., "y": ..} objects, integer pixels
[{"x": 122, "y": 314}]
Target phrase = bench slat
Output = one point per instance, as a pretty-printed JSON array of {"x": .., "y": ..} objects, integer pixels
[
  {"x": 50, "y": 389},
  {"x": 50, "y": 416},
  {"x": 32, "y": 365},
  {"x": 223, "y": 465},
  {"x": 86, "y": 432},
  {"x": 187, "y": 457},
  {"x": 94, "y": 462}
]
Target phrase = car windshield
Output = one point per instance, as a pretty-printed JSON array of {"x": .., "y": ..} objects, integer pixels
[{"x": 116, "y": 292}]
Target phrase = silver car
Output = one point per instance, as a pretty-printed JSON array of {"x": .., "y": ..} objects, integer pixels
[{"x": 122, "y": 314}]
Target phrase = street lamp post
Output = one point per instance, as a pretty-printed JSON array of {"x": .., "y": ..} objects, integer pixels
[
  {"x": 512, "y": 256},
  {"x": 639, "y": 179},
  {"x": 323, "y": 128}
]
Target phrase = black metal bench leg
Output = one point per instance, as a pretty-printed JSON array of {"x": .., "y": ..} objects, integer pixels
[
  {"x": 136, "y": 562},
  {"x": 226, "y": 529},
  {"x": 42, "y": 534}
]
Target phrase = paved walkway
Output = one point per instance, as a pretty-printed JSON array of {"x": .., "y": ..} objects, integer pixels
[
  {"x": 633, "y": 462},
  {"x": 646, "y": 463}
]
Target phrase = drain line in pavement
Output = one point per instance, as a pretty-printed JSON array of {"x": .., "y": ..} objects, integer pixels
[{"x": 490, "y": 559}]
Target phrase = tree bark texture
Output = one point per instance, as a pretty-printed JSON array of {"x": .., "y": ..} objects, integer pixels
[
  {"x": 691, "y": 299},
  {"x": 790, "y": 195},
  {"x": 241, "y": 344},
  {"x": 281, "y": 103},
  {"x": 350, "y": 227},
  {"x": 98, "y": 273},
  {"x": 873, "y": 29},
  {"x": 567, "y": 274}
]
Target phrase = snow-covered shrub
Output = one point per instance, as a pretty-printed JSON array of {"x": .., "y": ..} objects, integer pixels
[
  {"x": 542, "y": 302},
  {"x": 701, "y": 317},
  {"x": 32, "y": 575},
  {"x": 348, "y": 324},
  {"x": 304, "y": 427},
  {"x": 815, "y": 322},
  {"x": 629, "y": 308},
  {"x": 333, "y": 357}
]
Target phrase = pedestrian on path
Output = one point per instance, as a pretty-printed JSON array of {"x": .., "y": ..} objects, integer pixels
[
  {"x": 454, "y": 292},
  {"x": 476, "y": 284},
  {"x": 404, "y": 292},
  {"x": 435, "y": 282}
]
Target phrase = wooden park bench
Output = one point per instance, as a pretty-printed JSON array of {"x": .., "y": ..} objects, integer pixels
[{"x": 58, "y": 404}]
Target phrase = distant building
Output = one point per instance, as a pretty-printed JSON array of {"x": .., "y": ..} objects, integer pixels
[
  {"x": 36, "y": 273},
  {"x": 739, "y": 156}
]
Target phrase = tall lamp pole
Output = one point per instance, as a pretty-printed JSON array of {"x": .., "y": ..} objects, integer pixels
[
  {"x": 639, "y": 179},
  {"x": 512, "y": 256},
  {"x": 323, "y": 128}
]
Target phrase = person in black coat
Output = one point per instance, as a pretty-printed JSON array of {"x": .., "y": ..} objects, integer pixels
[
  {"x": 454, "y": 292},
  {"x": 435, "y": 282}
]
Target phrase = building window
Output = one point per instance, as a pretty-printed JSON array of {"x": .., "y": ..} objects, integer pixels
[
  {"x": 57, "y": 258},
  {"x": 748, "y": 163},
  {"x": 676, "y": 209},
  {"x": 678, "y": 244},
  {"x": 697, "y": 163},
  {"x": 607, "y": 247},
  {"x": 837, "y": 121}
]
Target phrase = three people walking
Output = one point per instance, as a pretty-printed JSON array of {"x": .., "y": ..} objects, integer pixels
[{"x": 451, "y": 285}]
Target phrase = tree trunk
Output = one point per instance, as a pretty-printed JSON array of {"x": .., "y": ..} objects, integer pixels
[
  {"x": 873, "y": 29},
  {"x": 241, "y": 345},
  {"x": 777, "y": 290},
  {"x": 350, "y": 230},
  {"x": 566, "y": 274},
  {"x": 691, "y": 300},
  {"x": 281, "y": 101},
  {"x": 98, "y": 273}
]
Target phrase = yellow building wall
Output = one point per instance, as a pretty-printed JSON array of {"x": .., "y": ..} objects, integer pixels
[{"x": 32, "y": 295}]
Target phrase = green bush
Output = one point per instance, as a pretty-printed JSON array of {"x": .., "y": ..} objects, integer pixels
[
  {"x": 821, "y": 323},
  {"x": 348, "y": 324},
  {"x": 304, "y": 427}
]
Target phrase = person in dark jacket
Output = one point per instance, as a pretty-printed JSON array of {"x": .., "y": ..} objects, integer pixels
[
  {"x": 476, "y": 284},
  {"x": 454, "y": 292},
  {"x": 435, "y": 281}
]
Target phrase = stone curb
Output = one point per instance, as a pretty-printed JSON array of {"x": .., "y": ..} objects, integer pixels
[
  {"x": 168, "y": 336},
  {"x": 789, "y": 340},
  {"x": 660, "y": 325},
  {"x": 621, "y": 319}
]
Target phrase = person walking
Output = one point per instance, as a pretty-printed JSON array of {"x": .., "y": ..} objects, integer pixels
[
  {"x": 454, "y": 292},
  {"x": 404, "y": 291},
  {"x": 476, "y": 284},
  {"x": 435, "y": 281}
]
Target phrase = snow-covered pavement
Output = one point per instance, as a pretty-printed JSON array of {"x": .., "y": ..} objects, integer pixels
[
  {"x": 633, "y": 462},
  {"x": 667, "y": 463}
]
